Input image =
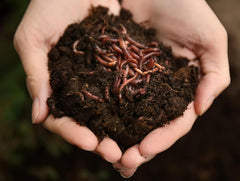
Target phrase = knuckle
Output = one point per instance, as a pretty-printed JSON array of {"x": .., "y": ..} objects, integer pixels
[
  {"x": 16, "y": 40},
  {"x": 226, "y": 81},
  {"x": 210, "y": 37}
]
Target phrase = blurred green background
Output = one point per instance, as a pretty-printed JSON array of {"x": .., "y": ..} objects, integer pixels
[{"x": 210, "y": 152}]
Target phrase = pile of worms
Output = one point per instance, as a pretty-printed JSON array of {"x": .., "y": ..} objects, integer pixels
[{"x": 134, "y": 62}]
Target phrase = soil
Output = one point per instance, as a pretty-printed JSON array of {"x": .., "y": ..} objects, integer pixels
[{"x": 112, "y": 75}]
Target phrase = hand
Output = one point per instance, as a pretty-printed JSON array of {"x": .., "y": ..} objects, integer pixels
[
  {"x": 40, "y": 28},
  {"x": 193, "y": 31}
]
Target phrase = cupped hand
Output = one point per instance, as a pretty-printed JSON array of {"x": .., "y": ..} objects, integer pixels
[
  {"x": 40, "y": 28},
  {"x": 193, "y": 31}
]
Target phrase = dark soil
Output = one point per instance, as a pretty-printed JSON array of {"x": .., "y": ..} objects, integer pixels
[{"x": 112, "y": 75}]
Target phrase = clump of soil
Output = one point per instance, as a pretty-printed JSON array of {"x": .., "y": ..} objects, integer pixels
[{"x": 112, "y": 75}]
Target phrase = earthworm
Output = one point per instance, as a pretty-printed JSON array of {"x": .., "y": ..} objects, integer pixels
[
  {"x": 75, "y": 48},
  {"x": 107, "y": 64},
  {"x": 124, "y": 48},
  {"x": 107, "y": 93},
  {"x": 127, "y": 82},
  {"x": 117, "y": 49},
  {"x": 124, "y": 30},
  {"x": 88, "y": 94},
  {"x": 139, "y": 45}
]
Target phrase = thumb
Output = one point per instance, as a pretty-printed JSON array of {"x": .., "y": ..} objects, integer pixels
[
  {"x": 38, "y": 86},
  {"x": 37, "y": 78},
  {"x": 216, "y": 76}
]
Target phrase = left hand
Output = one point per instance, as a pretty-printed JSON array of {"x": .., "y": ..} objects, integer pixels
[{"x": 193, "y": 31}]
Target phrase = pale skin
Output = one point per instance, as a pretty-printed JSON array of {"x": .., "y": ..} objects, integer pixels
[{"x": 190, "y": 27}]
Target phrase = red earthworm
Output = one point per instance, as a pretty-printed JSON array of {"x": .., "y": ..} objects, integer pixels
[
  {"x": 147, "y": 72},
  {"x": 136, "y": 82},
  {"x": 116, "y": 84},
  {"x": 88, "y": 94},
  {"x": 87, "y": 73},
  {"x": 131, "y": 72},
  {"x": 115, "y": 87},
  {"x": 114, "y": 58},
  {"x": 169, "y": 87},
  {"x": 107, "y": 64},
  {"x": 108, "y": 58},
  {"x": 139, "y": 71},
  {"x": 154, "y": 43},
  {"x": 133, "y": 60},
  {"x": 147, "y": 56},
  {"x": 159, "y": 66},
  {"x": 139, "y": 45},
  {"x": 150, "y": 98},
  {"x": 75, "y": 48},
  {"x": 134, "y": 55},
  {"x": 119, "y": 59},
  {"x": 124, "y": 30},
  {"x": 117, "y": 49},
  {"x": 103, "y": 29},
  {"x": 140, "y": 118},
  {"x": 125, "y": 73},
  {"x": 148, "y": 78},
  {"x": 110, "y": 49},
  {"x": 150, "y": 64},
  {"x": 127, "y": 82},
  {"x": 151, "y": 54},
  {"x": 124, "y": 48},
  {"x": 100, "y": 51},
  {"x": 122, "y": 64},
  {"x": 133, "y": 65},
  {"x": 154, "y": 70},
  {"x": 134, "y": 48},
  {"x": 141, "y": 91},
  {"x": 76, "y": 93},
  {"x": 107, "y": 93},
  {"x": 166, "y": 62},
  {"x": 147, "y": 50},
  {"x": 103, "y": 36},
  {"x": 105, "y": 69},
  {"x": 112, "y": 40},
  {"x": 115, "y": 29},
  {"x": 140, "y": 53},
  {"x": 109, "y": 54},
  {"x": 126, "y": 42},
  {"x": 120, "y": 98},
  {"x": 106, "y": 38}
]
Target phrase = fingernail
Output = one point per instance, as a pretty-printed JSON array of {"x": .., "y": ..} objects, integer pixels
[
  {"x": 207, "y": 105},
  {"x": 124, "y": 176},
  {"x": 118, "y": 169},
  {"x": 146, "y": 156},
  {"x": 35, "y": 110}
]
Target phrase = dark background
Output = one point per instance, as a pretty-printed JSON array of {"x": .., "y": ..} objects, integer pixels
[{"x": 210, "y": 152}]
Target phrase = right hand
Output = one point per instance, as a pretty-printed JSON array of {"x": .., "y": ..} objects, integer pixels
[{"x": 40, "y": 28}]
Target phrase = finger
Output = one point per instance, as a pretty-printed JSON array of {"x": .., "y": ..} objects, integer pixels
[
  {"x": 127, "y": 173},
  {"x": 37, "y": 78},
  {"x": 73, "y": 133},
  {"x": 141, "y": 9},
  {"x": 162, "y": 138},
  {"x": 215, "y": 79},
  {"x": 178, "y": 50},
  {"x": 109, "y": 150},
  {"x": 132, "y": 158},
  {"x": 113, "y": 5},
  {"x": 124, "y": 172}
]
